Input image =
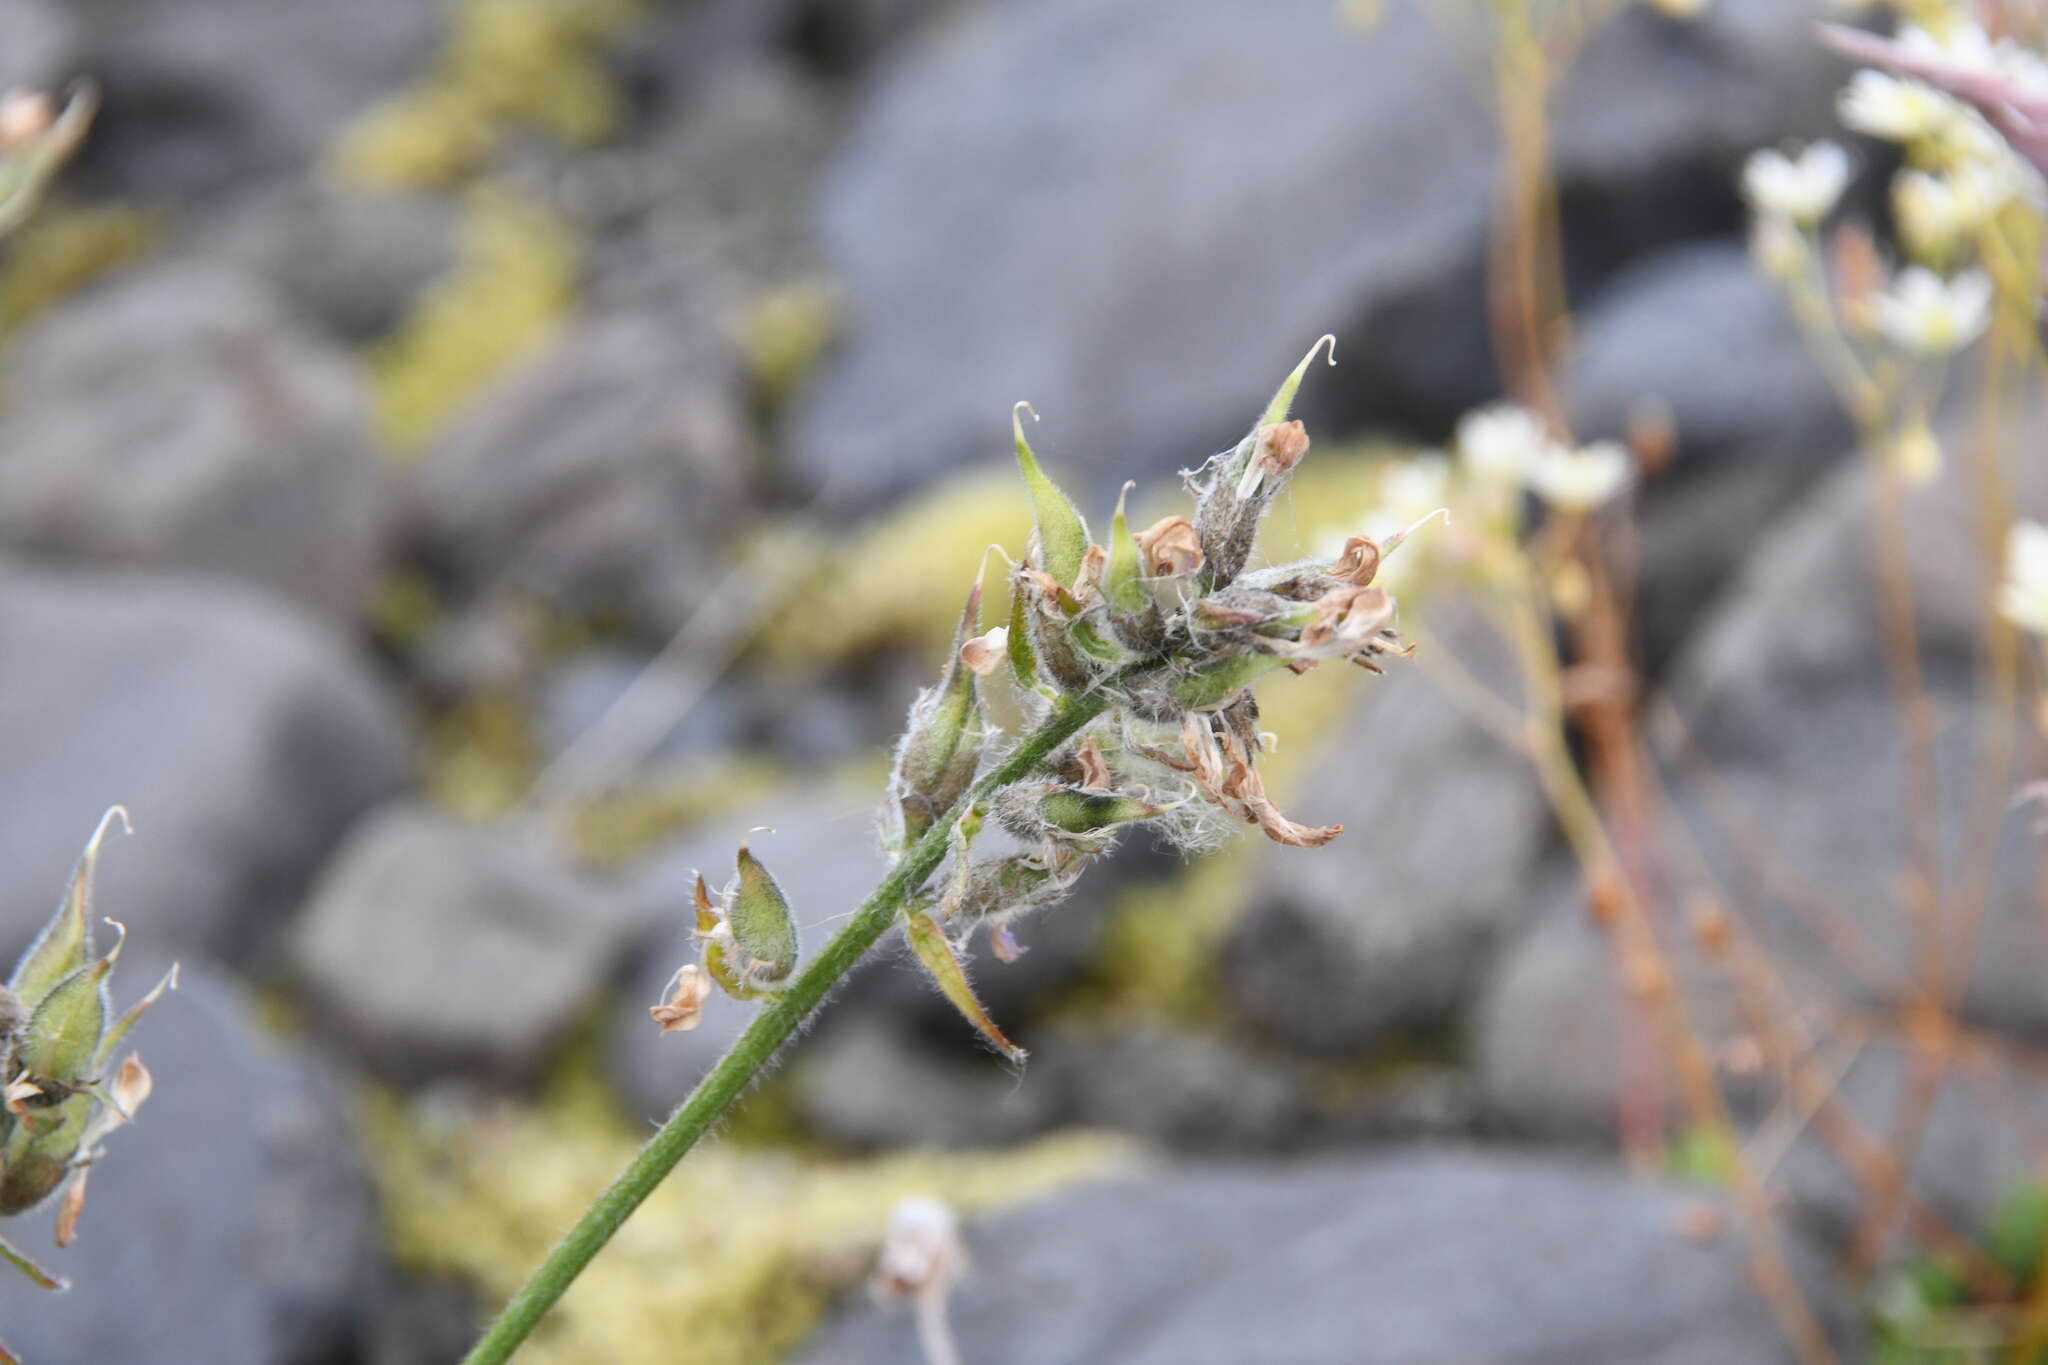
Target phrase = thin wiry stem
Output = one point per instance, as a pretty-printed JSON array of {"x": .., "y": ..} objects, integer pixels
[{"x": 755, "y": 1048}]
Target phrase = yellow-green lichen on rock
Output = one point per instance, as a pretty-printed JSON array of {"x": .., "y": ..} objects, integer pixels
[
  {"x": 733, "y": 1259},
  {"x": 507, "y": 64},
  {"x": 513, "y": 283}
]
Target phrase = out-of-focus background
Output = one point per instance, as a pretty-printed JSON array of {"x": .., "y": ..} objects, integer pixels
[{"x": 464, "y": 463}]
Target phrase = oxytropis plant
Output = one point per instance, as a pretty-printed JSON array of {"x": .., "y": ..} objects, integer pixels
[
  {"x": 58, "y": 1034},
  {"x": 1114, "y": 694}
]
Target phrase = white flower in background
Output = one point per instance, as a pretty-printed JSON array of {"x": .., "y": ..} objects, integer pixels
[
  {"x": 1894, "y": 108},
  {"x": 1928, "y": 315},
  {"x": 1969, "y": 48},
  {"x": 1802, "y": 189},
  {"x": 2023, "y": 597},
  {"x": 1410, "y": 491},
  {"x": 1936, "y": 212},
  {"x": 1580, "y": 480},
  {"x": 1498, "y": 443}
]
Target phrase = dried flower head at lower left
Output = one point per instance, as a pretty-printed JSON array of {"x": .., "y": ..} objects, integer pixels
[{"x": 62, "y": 1094}]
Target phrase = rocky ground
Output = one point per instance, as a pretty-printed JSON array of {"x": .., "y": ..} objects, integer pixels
[{"x": 390, "y": 383}]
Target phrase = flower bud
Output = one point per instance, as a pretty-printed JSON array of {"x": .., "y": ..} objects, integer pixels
[
  {"x": 937, "y": 957},
  {"x": 941, "y": 746}
]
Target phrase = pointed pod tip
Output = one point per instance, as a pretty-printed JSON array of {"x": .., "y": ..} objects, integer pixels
[{"x": 106, "y": 823}]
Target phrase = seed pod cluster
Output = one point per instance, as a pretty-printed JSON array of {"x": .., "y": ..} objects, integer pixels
[{"x": 60, "y": 1098}]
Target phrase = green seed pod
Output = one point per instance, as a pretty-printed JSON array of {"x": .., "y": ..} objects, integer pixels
[
  {"x": 1215, "y": 685},
  {"x": 941, "y": 746},
  {"x": 1085, "y": 812},
  {"x": 762, "y": 927},
  {"x": 1062, "y": 535}
]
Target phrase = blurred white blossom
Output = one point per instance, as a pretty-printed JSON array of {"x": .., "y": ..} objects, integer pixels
[
  {"x": 1499, "y": 443},
  {"x": 1895, "y": 108},
  {"x": 1928, "y": 315},
  {"x": 2023, "y": 597},
  {"x": 1800, "y": 189},
  {"x": 1580, "y": 480}
]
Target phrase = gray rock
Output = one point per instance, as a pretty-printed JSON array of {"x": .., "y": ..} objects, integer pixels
[
  {"x": 607, "y": 472},
  {"x": 351, "y": 261},
  {"x": 1415, "y": 1258},
  {"x": 202, "y": 97},
  {"x": 232, "y": 1222},
  {"x": 1550, "y": 1062},
  {"x": 1785, "y": 698},
  {"x": 1698, "y": 332},
  {"x": 42, "y": 44},
  {"x": 435, "y": 948},
  {"x": 1385, "y": 932},
  {"x": 242, "y": 739},
  {"x": 1549, "y": 1023},
  {"x": 1138, "y": 214},
  {"x": 870, "y": 1084},
  {"x": 179, "y": 417}
]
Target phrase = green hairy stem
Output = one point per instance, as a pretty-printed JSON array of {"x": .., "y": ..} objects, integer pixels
[{"x": 727, "y": 1081}]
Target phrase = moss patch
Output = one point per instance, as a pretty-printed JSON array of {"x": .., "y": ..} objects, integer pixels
[
  {"x": 731, "y": 1262},
  {"x": 513, "y": 283},
  {"x": 508, "y": 65}
]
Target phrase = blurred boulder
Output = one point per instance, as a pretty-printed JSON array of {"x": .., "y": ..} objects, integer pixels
[
  {"x": 437, "y": 948},
  {"x": 1385, "y": 932},
  {"x": 1137, "y": 214},
  {"x": 1549, "y": 1044},
  {"x": 867, "y": 1084},
  {"x": 231, "y": 1223},
  {"x": 243, "y": 739},
  {"x": 179, "y": 417},
  {"x": 1694, "y": 335},
  {"x": 42, "y": 44},
  {"x": 201, "y": 98},
  {"x": 608, "y": 472},
  {"x": 1795, "y": 770},
  {"x": 1406, "y": 1258},
  {"x": 351, "y": 262}
]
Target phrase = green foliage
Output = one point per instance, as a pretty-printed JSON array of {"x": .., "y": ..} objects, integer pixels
[
  {"x": 511, "y": 287},
  {"x": 62, "y": 250},
  {"x": 1932, "y": 1310},
  {"x": 1701, "y": 1155}
]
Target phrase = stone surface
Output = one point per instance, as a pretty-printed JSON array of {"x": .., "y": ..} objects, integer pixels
[
  {"x": 231, "y": 1223},
  {"x": 204, "y": 97},
  {"x": 1412, "y": 1258},
  {"x": 869, "y": 1084},
  {"x": 242, "y": 739},
  {"x": 42, "y": 43},
  {"x": 179, "y": 417},
  {"x": 1814, "y": 796},
  {"x": 1094, "y": 207},
  {"x": 607, "y": 472},
  {"x": 1385, "y": 932},
  {"x": 437, "y": 948},
  {"x": 352, "y": 262},
  {"x": 1697, "y": 333}
]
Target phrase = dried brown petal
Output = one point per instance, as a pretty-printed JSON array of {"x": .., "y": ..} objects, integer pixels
[
  {"x": 1360, "y": 562},
  {"x": 986, "y": 653},
  {"x": 683, "y": 1009},
  {"x": 1094, "y": 768},
  {"x": 72, "y": 1205},
  {"x": 1169, "y": 548}
]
